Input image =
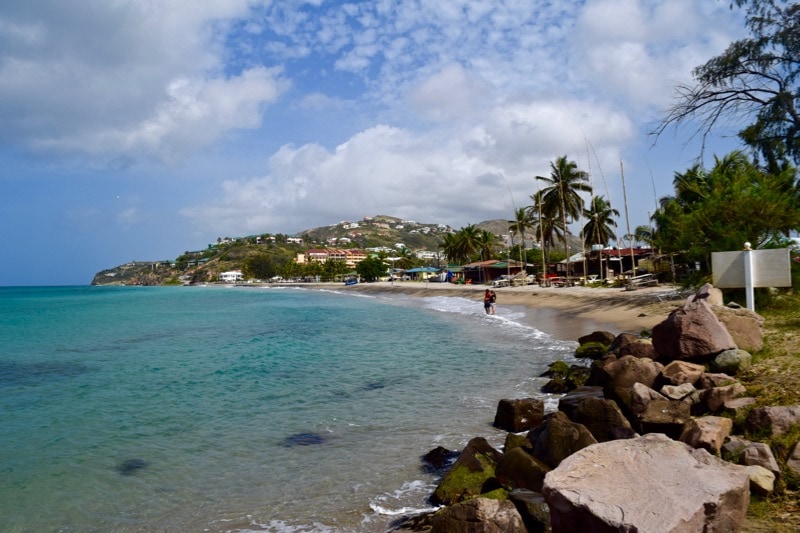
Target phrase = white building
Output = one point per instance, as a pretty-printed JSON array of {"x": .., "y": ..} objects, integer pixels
[{"x": 232, "y": 276}]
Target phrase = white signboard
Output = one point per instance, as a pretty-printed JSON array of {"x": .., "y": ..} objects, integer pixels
[{"x": 768, "y": 268}]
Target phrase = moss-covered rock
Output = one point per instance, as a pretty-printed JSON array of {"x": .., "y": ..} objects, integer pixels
[
  {"x": 591, "y": 350},
  {"x": 472, "y": 475}
]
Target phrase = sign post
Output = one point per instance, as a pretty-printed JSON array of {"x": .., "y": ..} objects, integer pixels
[{"x": 751, "y": 268}]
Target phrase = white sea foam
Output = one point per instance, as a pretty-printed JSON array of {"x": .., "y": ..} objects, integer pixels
[{"x": 396, "y": 503}]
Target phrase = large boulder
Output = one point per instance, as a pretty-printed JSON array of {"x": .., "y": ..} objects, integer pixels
[
  {"x": 603, "y": 418},
  {"x": 692, "y": 333},
  {"x": 617, "y": 376},
  {"x": 479, "y": 515},
  {"x": 745, "y": 326},
  {"x": 651, "y": 483},
  {"x": 557, "y": 438},
  {"x": 519, "y": 415},
  {"x": 517, "y": 469},
  {"x": 471, "y": 475},
  {"x": 774, "y": 420}
]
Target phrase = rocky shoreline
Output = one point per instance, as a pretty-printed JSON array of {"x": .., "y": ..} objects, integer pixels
[{"x": 656, "y": 435}]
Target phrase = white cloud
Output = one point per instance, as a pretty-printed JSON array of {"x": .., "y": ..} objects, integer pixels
[
  {"x": 109, "y": 78},
  {"x": 194, "y": 114}
]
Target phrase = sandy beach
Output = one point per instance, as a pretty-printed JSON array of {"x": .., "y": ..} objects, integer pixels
[{"x": 563, "y": 312}]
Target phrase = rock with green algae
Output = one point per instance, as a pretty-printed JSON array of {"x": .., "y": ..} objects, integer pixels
[{"x": 472, "y": 475}]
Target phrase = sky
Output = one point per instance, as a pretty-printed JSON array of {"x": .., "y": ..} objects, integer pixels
[{"x": 140, "y": 129}]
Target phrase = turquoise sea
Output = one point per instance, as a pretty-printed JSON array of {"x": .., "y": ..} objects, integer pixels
[{"x": 242, "y": 408}]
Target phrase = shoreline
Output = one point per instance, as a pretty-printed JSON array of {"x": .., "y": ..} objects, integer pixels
[{"x": 566, "y": 313}]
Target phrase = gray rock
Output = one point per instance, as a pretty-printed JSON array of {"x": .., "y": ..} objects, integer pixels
[
  {"x": 640, "y": 396},
  {"x": 651, "y": 483},
  {"x": 479, "y": 515},
  {"x": 677, "y": 392},
  {"x": 760, "y": 454},
  {"x": 732, "y": 362},
  {"x": 775, "y": 420},
  {"x": 762, "y": 481}
]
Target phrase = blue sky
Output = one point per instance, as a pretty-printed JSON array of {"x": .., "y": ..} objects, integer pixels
[{"x": 137, "y": 130}]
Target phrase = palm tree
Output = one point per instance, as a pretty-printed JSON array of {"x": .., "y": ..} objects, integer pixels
[
  {"x": 599, "y": 228},
  {"x": 561, "y": 197},
  {"x": 407, "y": 258},
  {"x": 486, "y": 244},
  {"x": 522, "y": 221},
  {"x": 548, "y": 229},
  {"x": 462, "y": 245}
]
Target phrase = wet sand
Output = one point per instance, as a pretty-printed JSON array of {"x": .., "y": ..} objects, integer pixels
[{"x": 563, "y": 312}]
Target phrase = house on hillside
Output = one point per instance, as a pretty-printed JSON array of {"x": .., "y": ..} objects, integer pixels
[{"x": 232, "y": 276}]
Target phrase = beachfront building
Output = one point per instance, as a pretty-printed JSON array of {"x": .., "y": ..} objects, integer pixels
[
  {"x": 319, "y": 255},
  {"x": 232, "y": 276}
]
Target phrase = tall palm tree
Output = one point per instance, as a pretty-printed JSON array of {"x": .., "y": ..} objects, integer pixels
[
  {"x": 599, "y": 228},
  {"x": 548, "y": 229},
  {"x": 486, "y": 244},
  {"x": 561, "y": 198},
  {"x": 522, "y": 221}
]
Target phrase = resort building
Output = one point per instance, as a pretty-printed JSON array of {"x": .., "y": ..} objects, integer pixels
[
  {"x": 319, "y": 255},
  {"x": 232, "y": 276}
]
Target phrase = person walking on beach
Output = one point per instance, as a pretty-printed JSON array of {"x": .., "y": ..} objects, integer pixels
[
  {"x": 487, "y": 301},
  {"x": 493, "y": 302}
]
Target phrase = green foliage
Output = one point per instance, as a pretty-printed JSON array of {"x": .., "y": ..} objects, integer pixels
[
  {"x": 560, "y": 201},
  {"x": 722, "y": 208},
  {"x": 259, "y": 266},
  {"x": 371, "y": 269},
  {"x": 599, "y": 229}
]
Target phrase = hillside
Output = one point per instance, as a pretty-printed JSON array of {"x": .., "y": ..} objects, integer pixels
[
  {"x": 276, "y": 250},
  {"x": 378, "y": 232}
]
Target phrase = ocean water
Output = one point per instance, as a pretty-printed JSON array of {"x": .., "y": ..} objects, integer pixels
[{"x": 244, "y": 409}]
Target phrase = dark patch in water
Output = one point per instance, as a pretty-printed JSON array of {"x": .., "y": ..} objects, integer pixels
[
  {"x": 18, "y": 373},
  {"x": 303, "y": 439},
  {"x": 129, "y": 467},
  {"x": 374, "y": 385}
]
